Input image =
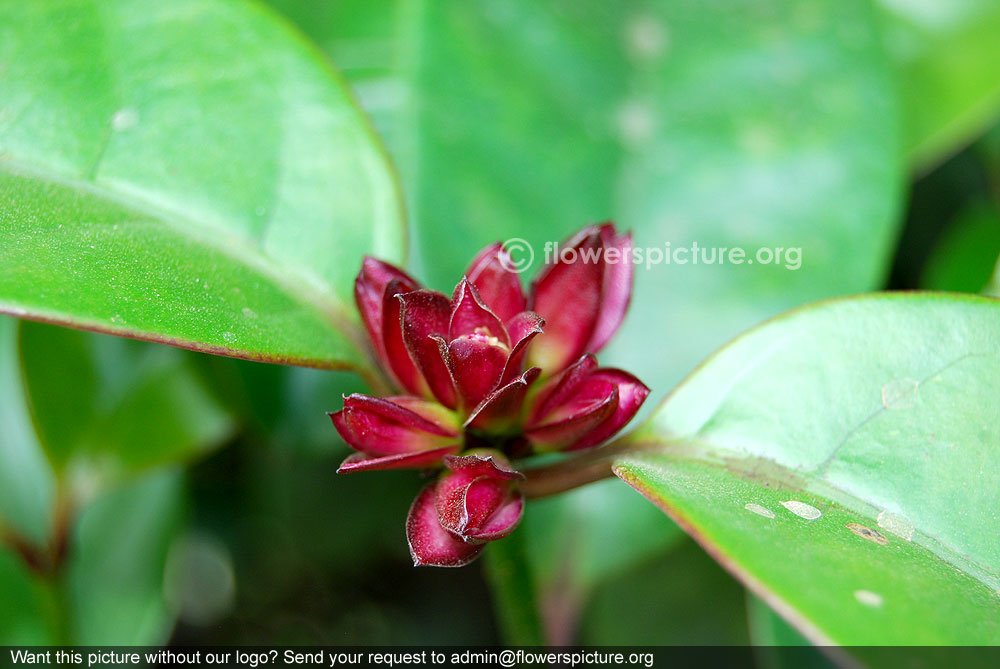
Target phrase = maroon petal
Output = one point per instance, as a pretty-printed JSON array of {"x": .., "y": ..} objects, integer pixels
[
  {"x": 631, "y": 394},
  {"x": 471, "y": 316},
  {"x": 394, "y": 425},
  {"x": 477, "y": 499},
  {"x": 476, "y": 363},
  {"x": 499, "y": 287},
  {"x": 424, "y": 314},
  {"x": 400, "y": 363},
  {"x": 568, "y": 296},
  {"x": 559, "y": 389},
  {"x": 502, "y": 408},
  {"x": 430, "y": 543},
  {"x": 593, "y": 401},
  {"x": 369, "y": 289},
  {"x": 502, "y": 522},
  {"x": 617, "y": 286},
  {"x": 584, "y": 301},
  {"x": 522, "y": 329},
  {"x": 361, "y": 462}
]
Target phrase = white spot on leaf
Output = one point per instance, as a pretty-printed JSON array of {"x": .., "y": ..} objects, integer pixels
[
  {"x": 868, "y": 598},
  {"x": 896, "y": 524},
  {"x": 759, "y": 510},
  {"x": 802, "y": 510},
  {"x": 123, "y": 119}
]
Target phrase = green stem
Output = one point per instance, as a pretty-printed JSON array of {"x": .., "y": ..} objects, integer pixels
[
  {"x": 60, "y": 612},
  {"x": 515, "y": 598}
]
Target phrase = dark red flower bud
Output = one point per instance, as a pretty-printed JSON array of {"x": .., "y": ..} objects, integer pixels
[
  {"x": 582, "y": 295},
  {"x": 475, "y": 501},
  {"x": 583, "y": 406},
  {"x": 469, "y": 364},
  {"x": 478, "y": 499}
]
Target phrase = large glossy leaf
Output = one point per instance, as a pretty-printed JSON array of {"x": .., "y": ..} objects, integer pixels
[
  {"x": 843, "y": 462},
  {"x": 192, "y": 173},
  {"x": 944, "y": 54}
]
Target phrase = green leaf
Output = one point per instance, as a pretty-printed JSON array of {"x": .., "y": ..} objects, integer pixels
[
  {"x": 944, "y": 53},
  {"x": 575, "y": 545},
  {"x": 777, "y": 644},
  {"x": 191, "y": 173},
  {"x": 966, "y": 254},
  {"x": 111, "y": 590},
  {"x": 24, "y": 615},
  {"x": 131, "y": 406},
  {"x": 115, "y": 581},
  {"x": 683, "y": 598},
  {"x": 81, "y": 412},
  {"x": 27, "y": 483},
  {"x": 842, "y": 462}
]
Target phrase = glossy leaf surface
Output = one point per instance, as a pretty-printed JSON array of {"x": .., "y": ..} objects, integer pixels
[{"x": 843, "y": 462}]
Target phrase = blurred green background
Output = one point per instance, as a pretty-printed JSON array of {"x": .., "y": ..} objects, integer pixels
[{"x": 197, "y": 496}]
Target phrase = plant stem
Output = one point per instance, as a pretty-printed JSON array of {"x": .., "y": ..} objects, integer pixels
[
  {"x": 515, "y": 599},
  {"x": 586, "y": 468}
]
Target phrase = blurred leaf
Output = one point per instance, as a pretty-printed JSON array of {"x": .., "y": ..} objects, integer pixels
[
  {"x": 945, "y": 54},
  {"x": 100, "y": 408},
  {"x": 130, "y": 406},
  {"x": 111, "y": 590},
  {"x": 115, "y": 579},
  {"x": 321, "y": 558},
  {"x": 723, "y": 124},
  {"x": 967, "y": 253},
  {"x": 777, "y": 644},
  {"x": 191, "y": 173},
  {"x": 25, "y": 614},
  {"x": 285, "y": 407},
  {"x": 574, "y": 548},
  {"x": 842, "y": 462},
  {"x": 767, "y": 628},
  {"x": 27, "y": 484},
  {"x": 683, "y": 599}
]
